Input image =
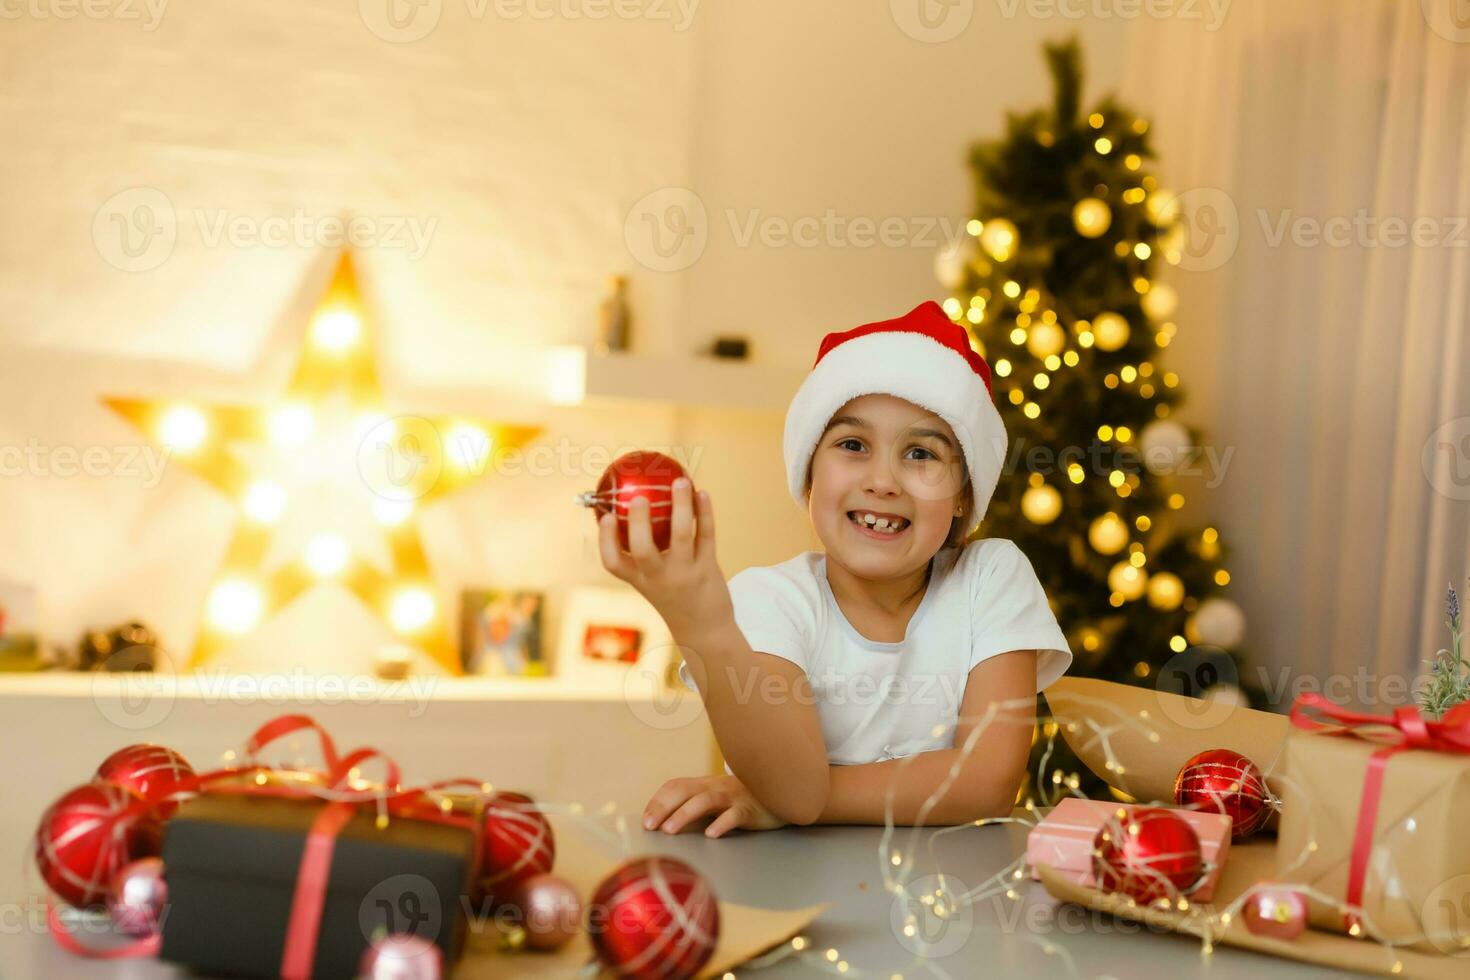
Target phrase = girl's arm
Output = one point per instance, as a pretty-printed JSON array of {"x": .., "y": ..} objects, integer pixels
[
  {"x": 980, "y": 783},
  {"x": 760, "y": 705}
]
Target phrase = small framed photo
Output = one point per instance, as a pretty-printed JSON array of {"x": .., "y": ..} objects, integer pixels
[
  {"x": 605, "y": 632},
  {"x": 500, "y": 633}
]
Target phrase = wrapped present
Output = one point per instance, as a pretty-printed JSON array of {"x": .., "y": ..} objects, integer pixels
[
  {"x": 1373, "y": 815},
  {"x": 1063, "y": 841},
  {"x": 238, "y": 863}
]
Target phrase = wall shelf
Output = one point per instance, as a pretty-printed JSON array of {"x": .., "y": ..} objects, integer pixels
[{"x": 576, "y": 375}]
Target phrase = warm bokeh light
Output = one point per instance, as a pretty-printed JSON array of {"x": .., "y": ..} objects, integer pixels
[
  {"x": 392, "y": 513},
  {"x": 411, "y": 609},
  {"x": 291, "y": 425},
  {"x": 336, "y": 330},
  {"x": 326, "y": 555},
  {"x": 235, "y": 606},
  {"x": 182, "y": 429},
  {"x": 468, "y": 447},
  {"x": 264, "y": 501}
]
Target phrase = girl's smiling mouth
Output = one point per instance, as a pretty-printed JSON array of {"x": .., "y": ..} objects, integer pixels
[{"x": 872, "y": 524}]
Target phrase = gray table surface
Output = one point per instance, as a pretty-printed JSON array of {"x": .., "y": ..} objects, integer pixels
[{"x": 802, "y": 866}]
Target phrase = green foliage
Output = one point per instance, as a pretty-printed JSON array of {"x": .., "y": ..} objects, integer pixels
[{"x": 1449, "y": 675}]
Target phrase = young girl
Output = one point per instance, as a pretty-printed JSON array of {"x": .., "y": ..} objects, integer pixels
[{"x": 819, "y": 673}]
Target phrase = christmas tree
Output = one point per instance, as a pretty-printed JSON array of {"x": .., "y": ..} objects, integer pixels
[{"x": 1056, "y": 284}]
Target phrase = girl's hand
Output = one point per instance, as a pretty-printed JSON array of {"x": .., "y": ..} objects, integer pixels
[
  {"x": 679, "y": 802},
  {"x": 685, "y": 583}
]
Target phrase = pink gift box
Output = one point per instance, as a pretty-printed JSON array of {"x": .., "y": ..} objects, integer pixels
[{"x": 1064, "y": 840}]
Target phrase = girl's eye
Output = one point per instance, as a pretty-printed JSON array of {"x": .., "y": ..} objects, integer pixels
[
  {"x": 850, "y": 440},
  {"x": 927, "y": 453}
]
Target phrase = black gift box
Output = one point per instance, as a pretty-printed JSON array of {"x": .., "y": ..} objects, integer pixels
[{"x": 231, "y": 863}]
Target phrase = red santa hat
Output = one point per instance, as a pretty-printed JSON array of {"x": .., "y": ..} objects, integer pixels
[{"x": 922, "y": 357}]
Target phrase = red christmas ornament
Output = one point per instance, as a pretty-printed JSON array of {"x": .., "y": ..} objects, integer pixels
[
  {"x": 1225, "y": 782},
  {"x": 151, "y": 771},
  {"x": 654, "y": 918},
  {"x": 1147, "y": 854},
  {"x": 518, "y": 843},
  {"x": 85, "y": 837},
  {"x": 633, "y": 475},
  {"x": 1277, "y": 912}
]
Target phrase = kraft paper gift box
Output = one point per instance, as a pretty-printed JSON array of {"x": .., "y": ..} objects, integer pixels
[
  {"x": 1064, "y": 839},
  {"x": 1415, "y": 886}
]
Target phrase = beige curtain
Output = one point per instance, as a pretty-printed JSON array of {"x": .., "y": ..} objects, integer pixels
[{"x": 1329, "y": 350}]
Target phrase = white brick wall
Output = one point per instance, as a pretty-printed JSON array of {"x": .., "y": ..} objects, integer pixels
[{"x": 522, "y": 142}]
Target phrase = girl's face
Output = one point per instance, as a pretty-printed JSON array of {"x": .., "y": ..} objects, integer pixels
[{"x": 889, "y": 458}]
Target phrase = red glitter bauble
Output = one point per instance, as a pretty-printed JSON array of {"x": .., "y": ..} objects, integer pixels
[
  {"x": 85, "y": 837},
  {"x": 151, "y": 771},
  {"x": 633, "y": 475},
  {"x": 654, "y": 918},
  {"x": 1223, "y": 781},
  {"x": 518, "y": 843},
  {"x": 1148, "y": 854}
]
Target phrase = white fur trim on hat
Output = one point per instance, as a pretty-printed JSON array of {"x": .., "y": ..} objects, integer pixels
[{"x": 916, "y": 368}]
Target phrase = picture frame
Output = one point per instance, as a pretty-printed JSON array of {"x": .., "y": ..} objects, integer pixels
[
  {"x": 605, "y": 632},
  {"x": 500, "y": 633}
]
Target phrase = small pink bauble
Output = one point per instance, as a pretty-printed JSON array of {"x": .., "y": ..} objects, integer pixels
[
  {"x": 550, "y": 910},
  {"x": 401, "y": 957},
  {"x": 138, "y": 897},
  {"x": 1277, "y": 912}
]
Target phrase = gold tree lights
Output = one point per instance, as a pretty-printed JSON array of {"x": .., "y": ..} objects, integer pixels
[
  {"x": 327, "y": 483},
  {"x": 1055, "y": 282}
]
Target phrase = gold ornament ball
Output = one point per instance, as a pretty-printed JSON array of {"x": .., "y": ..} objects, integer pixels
[
  {"x": 1109, "y": 331},
  {"x": 1107, "y": 534},
  {"x": 1127, "y": 580},
  {"x": 1000, "y": 238},
  {"x": 1160, "y": 301},
  {"x": 1045, "y": 339},
  {"x": 1092, "y": 216},
  {"x": 1165, "y": 591},
  {"x": 1042, "y": 504}
]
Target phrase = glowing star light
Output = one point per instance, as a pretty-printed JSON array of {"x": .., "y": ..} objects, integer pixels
[{"x": 329, "y": 483}]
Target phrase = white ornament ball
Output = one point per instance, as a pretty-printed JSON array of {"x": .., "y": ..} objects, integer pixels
[
  {"x": 1219, "y": 622},
  {"x": 1165, "y": 445}
]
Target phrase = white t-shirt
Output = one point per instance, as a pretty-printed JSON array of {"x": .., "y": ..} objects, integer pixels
[{"x": 883, "y": 700}]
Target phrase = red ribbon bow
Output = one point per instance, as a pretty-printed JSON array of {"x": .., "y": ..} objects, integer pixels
[{"x": 1406, "y": 728}]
